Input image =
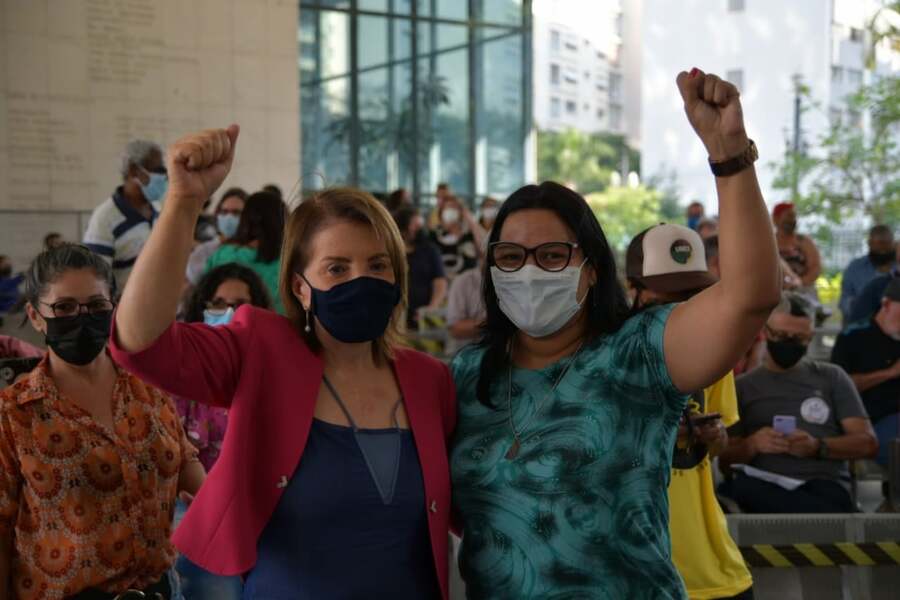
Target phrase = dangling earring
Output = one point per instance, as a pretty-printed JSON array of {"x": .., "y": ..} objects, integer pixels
[{"x": 307, "y": 329}]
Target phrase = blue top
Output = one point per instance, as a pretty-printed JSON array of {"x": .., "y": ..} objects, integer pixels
[
  {"x": 425, "y": 265},
  {"x": 858, "y": 273},
  {"x": 9, "y": 291},
  {"x": 581, "y": 511},
  {"x": 868, "y": 301},
  {"x": 332, "y": 536}
]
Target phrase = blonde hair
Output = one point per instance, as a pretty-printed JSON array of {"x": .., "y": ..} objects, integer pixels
[{"x": 314, "y": 214}]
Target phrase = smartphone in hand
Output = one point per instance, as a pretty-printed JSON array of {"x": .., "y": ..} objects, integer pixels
[
  {"x": 701, "y": 420},
  {"x": 784, "y": 424}
]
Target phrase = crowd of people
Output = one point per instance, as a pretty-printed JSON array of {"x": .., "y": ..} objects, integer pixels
[{"x": 227, "y": 407}]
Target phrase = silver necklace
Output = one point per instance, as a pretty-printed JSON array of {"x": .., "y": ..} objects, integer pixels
[{"x": 513, "y": 451}]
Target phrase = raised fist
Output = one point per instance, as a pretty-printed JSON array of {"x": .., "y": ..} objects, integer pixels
[
  {"x": 713, "y": 108},
  {"x": 198, "y": 164}
]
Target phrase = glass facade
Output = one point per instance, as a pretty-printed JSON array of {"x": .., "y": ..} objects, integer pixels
[{"x": 411, "y": 93}]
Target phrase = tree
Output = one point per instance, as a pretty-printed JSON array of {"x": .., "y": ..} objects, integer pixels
[
  {"x": 853, "y": 168},
  {"x": 583, "y": 161},
  {"x": 624, "y": 212},
  {"x": 884, "y": 25},
  {"x": 671, "y": 210}
]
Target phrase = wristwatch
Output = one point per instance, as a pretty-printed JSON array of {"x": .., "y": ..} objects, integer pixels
[
  {"x": 822, "y": 452},
  {"x": 732, "y": 166}
]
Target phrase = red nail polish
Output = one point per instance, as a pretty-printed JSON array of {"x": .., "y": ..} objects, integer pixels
[{"x": 693, "y": 73}]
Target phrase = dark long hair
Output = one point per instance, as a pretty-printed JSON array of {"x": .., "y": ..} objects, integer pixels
[
  {"x": 262, "y": 221},
  {"x": 606, "y": 306},
  {"x": 210, "y": 282}
]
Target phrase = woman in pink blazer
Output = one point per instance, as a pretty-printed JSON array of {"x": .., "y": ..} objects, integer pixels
[{"x": 333, "y": 478}]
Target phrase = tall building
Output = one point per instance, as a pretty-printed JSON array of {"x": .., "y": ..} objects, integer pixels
[
  {"x": 578, "y": 59},
  {"x": 763, "y": 46},
  {"x": 396, "y": 93}
]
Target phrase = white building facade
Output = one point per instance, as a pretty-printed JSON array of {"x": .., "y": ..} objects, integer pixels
[
  {"x": 761, "y": 46},
  {"x": 578, "y": 66}
]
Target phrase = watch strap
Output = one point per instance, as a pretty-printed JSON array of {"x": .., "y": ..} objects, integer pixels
[
  {"x": 735, "y": 165},
  {"x": 823, "y": 449}
]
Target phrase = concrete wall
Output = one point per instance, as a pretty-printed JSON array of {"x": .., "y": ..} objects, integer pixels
[{"x": 79, "y": 78}]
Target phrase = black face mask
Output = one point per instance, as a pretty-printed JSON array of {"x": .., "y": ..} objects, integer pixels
[
  {"x": 880, "y": 259},
  {"x": 79, "y": 340},
  {"x": 5, "y": 272},
  {"x": 786, "y": 354}
]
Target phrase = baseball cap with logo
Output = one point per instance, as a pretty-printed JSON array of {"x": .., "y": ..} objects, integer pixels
[{"x": 668, "y": 258}]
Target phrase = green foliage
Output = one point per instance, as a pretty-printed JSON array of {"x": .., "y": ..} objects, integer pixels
[
  {"x": 582, "y": 161},
  {"x": 852, "y": 169},
  {"x": 883, "y": 26},
  {"x": 671, "y": 209},
  {"x": 624, "y": 212},
  {"x": 586, "y": 162}
]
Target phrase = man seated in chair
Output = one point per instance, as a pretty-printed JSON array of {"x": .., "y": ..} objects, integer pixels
[{"x": 799, "y": 419}]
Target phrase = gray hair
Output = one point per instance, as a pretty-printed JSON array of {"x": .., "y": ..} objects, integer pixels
[
  {"x": 796, "y": 305},
  {"x": 50, "y": 264},
  {"x": 138, "y": 151}
]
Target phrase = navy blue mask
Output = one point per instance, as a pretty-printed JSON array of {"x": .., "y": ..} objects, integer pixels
[{"x": 356, "y": 311}]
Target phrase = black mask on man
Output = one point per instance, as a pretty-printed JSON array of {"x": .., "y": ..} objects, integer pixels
[
  {"x": 880, "y": 259},
  {"x": 787, "y": 353},
  {"x": 79, "y": 340}
]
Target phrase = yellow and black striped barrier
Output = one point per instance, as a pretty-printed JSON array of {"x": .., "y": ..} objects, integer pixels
[
  {"x": 870, "y": 554},
  {"x": 431, "y": 321},
  {"x": 429, "y": 346}
]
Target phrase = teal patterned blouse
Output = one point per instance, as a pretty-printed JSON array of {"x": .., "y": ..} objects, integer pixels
[{"x": 582, "y": 511}]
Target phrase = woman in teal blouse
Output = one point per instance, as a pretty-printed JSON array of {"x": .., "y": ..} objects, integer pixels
[
  {"x": 257, "y": 243},
  {"x": 569, "y": 408}
]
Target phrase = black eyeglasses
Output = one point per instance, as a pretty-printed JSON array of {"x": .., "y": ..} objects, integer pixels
[
  {"x": 69, "y": 309},
  {"x": 552, "y": 256},
  {"x": 218, "y": 306}
]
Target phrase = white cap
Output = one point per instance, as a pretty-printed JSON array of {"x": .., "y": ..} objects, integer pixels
[{"x": 668, "y": 258}]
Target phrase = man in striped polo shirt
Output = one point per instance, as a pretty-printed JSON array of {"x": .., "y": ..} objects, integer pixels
[{"x": 120, "y": 226}]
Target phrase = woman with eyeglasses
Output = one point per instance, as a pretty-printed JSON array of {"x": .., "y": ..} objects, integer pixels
[
  {"x": 91, "y": 457},
  {"x": 569, "y": 409},
  {"x": 215, "y": 299}
]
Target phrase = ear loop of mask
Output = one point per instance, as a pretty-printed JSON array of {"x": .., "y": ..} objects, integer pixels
[{"x": 588, "y": 292}]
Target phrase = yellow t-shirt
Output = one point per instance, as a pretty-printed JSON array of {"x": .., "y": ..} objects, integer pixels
[{"x": 702, "y": 549}]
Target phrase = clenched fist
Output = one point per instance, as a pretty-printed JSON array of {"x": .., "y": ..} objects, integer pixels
[
  {"x": 198, "y": 164},
  {"x": 713, "y": 108}
]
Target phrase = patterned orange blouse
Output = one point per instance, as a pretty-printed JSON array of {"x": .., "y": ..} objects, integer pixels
[{"x": 88, "y": 507}]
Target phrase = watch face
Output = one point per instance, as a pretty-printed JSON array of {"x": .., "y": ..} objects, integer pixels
[{"x": 752, "y": 152}]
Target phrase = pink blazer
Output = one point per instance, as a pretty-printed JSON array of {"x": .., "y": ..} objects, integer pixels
[{"x": 262, "y": 370}]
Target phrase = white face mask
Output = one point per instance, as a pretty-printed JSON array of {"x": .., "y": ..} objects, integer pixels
[
  {"x": 451, "y": 216},
  {"x": 489, "y": 213},
  {"x": 538, "y": 302}
]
